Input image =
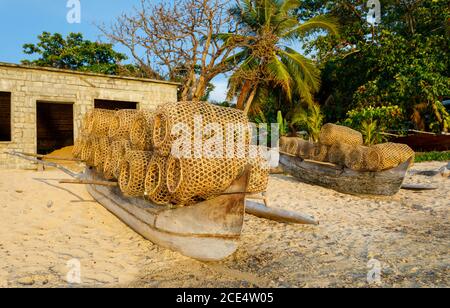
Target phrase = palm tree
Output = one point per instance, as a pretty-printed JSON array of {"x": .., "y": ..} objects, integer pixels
[{"x": 264, "y": 56}]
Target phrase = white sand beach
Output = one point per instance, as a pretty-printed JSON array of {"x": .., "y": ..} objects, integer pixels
[{"x": 45, "y": 224}]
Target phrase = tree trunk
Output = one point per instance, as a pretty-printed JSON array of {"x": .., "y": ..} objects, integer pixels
[
  {"x": 201, "y": 88},
  {"x": 250, "y": 100},
  {"x": 243, "y": 95}
]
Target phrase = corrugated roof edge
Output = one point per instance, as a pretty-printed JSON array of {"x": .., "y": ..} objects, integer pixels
[{"x": 57, "y": 70}]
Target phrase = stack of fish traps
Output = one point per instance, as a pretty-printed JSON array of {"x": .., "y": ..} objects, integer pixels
[
  {"x": 179, "y": 154},
  {"x": 343, "y": 146}
]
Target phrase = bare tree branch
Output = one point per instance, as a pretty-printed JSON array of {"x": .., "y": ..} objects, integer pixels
[{"x": 177, "y": 40}]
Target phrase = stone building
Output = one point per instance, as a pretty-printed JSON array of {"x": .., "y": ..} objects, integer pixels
[{"x": 41, "y": 108}]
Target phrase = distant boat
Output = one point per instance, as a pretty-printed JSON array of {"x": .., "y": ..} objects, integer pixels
[
  {"x": 425, "y": 142},
  {"x": 384, "y": 183}
]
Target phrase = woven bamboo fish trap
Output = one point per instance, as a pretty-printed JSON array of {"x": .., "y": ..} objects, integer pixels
[
  {"x": 338, "y": 152},
  {"x": 236, "y": 131},
  {"x": 133, "y": 170},
  {"x": 101, "y": 120},
  {"x": 87, "y": 122},
  {"x": 101, "y": 153},
  {"x": 116, "y": 153},
  {"x": 121, "y": 124},
  {"x": 174, "y": 116},
  {"x": 87, "y": 152},
  {"x": 332, "y": 134},
  {"x": 319, "y": 152},
  {"x": 232, "y": 125},
  {"x": 259, "y": 174},
  {"x": 391, "y": 155},
  {"x": 298, "y": 147},
  {"x": 362, "y": 158},
  {"x": 141, "y": 131},
  {"x": 190, "y": 178},
  {"x": 156, "y": 181},
  {"x": 78, "y": 146}
]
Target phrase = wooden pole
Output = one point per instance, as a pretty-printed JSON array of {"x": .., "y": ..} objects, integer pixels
[
  {"x": 279, "y": 215},
  {"x": 52, "y": 157},
  {"x": 90, "y": 182},
  {"x": 45, "y": 163}
]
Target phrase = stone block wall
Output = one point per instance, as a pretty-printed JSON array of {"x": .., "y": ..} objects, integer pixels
[{"x": 28, "y": 85}]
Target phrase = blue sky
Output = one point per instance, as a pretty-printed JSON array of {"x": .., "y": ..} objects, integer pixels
[{"x": 23, "y": 20}]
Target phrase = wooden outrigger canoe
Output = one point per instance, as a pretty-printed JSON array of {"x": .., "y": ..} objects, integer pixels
[
  {"x": 344, "y": 180},
  {"x": 207, "y": 231}
]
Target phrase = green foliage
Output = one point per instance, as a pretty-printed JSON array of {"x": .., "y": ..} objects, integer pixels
[
  {"x": 371, "y": 132},
  {"x": 75, "y": 53},
  {"x": 265, "y": 58},
  {"x": 310, "y": 119},
  {"x": 282, "y": 124},
  {"x": 387, "y": 117},
  {"x": 404, "y": 61},
  {"x": 373, "y": 121},
  {"x": 432, "y": 156}
]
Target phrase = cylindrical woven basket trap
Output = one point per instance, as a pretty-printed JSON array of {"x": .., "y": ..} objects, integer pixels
[
  {"x": 173, "y": 115},
  {"x": 116, "y": 153},
  {"x": 101, "y": 153},
  {"x": 141, "y": 131},
  {"x": 332, "y": 134},
  {"x": 362, "y": 158},
  {"x": 121, "y": 123},
  {"x": 259, "y": 174},
  {"x": 101, "y": 120},
  {"x": 133, "y": 170},
  {"x": 338, "y": 152},
  {"x": 87, "y": 122},
  {"x": 298, "y": 147},
  {"x": 190, "y": 178},
  {"x": 87, "y": 152},
  {"x": 169, "y": 116},
  {"x": 236, "y": 131},
  {"x": 156, "y": 181},
  {"x": 78, "y": 146},
  {"x": 392, "y": 154},
  {"x": 320, "y": 152}
]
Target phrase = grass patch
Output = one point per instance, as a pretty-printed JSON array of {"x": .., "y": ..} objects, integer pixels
[{"x": 432, "y": 156}]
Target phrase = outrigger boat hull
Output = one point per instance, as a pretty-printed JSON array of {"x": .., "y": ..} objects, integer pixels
[
  {"x": 344, "y": 180},
  {"x": 207, "y": 231}
]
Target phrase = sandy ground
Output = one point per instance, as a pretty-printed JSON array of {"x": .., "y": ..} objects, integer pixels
[{"x": 44, "y": 225}]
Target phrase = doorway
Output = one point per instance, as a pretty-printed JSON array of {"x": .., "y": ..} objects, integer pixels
[
  {"x": 114, "y": 105},
  {"x": 54, "y": 126}
]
